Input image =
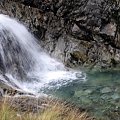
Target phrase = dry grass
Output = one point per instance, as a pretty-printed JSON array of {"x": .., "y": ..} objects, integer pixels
[{"x": 56, "y": 111}]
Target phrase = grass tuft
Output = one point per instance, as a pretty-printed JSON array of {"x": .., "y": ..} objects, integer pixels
[{"x": 56, "y": 111}]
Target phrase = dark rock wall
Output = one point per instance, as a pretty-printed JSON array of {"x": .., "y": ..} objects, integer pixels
[{"x": 78, "y": 32}]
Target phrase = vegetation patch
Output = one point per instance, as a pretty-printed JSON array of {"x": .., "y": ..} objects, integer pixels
[{"x": 55, "y": 111}]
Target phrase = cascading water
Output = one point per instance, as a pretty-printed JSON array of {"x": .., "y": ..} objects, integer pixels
[{"x": 23, "y": 63}]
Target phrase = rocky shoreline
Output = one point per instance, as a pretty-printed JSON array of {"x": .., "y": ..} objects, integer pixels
[{"x": 21, "y": 100}]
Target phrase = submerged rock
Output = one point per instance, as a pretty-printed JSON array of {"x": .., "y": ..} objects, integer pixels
[
  {"x": 81, "y": 93},
  {"x": 106, "y": 90},
  {"x": 88, "y": 91},
  {"x": 115, "y": 96}
]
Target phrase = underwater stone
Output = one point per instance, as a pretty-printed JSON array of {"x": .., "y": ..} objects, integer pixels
[
  {"x": 117, "y": 90},
  {"x": 88, "y": 91},
  {"x": 106, "y": 90},
  {"x": 86, "y": 100},
  {"x": 115, "y": 96},
  {"x": 79, "y": 93},
  {"x": 105, "y": 97},
  {"x": 82, "y": 93}
]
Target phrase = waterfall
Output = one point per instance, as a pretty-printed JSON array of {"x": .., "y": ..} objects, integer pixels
[{"x": 24, "y": 64}]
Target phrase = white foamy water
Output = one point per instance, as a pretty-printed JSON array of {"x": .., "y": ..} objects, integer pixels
[{"x": 23, "y": 62}]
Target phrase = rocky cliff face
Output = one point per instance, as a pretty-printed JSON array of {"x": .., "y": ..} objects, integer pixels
[{"x": 78, "y": 32}]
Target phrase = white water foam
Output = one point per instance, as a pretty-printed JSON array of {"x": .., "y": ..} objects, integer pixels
[{"x": 24, "y": 62}]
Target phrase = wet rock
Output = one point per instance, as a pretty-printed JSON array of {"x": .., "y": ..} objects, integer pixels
[
  {"x": 82, "y": 93},
  {"x": 1, "y": 93},
  {"x": 88, "y": 91},
  {"x": 6, "y": 89},
  {"x": 78, "y": 93},
  {"x": 115, "y": 96},
  {"x": 79, "y": 33},
  {"x": 106, "y": 90},
  {"x": 117, "y": 90},
  {"x": 105, "y": 97},
  {"x": 86, "y": 101}
]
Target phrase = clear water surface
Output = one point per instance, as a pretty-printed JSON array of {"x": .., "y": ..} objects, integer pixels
[{"x": 99, "y": 95}]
